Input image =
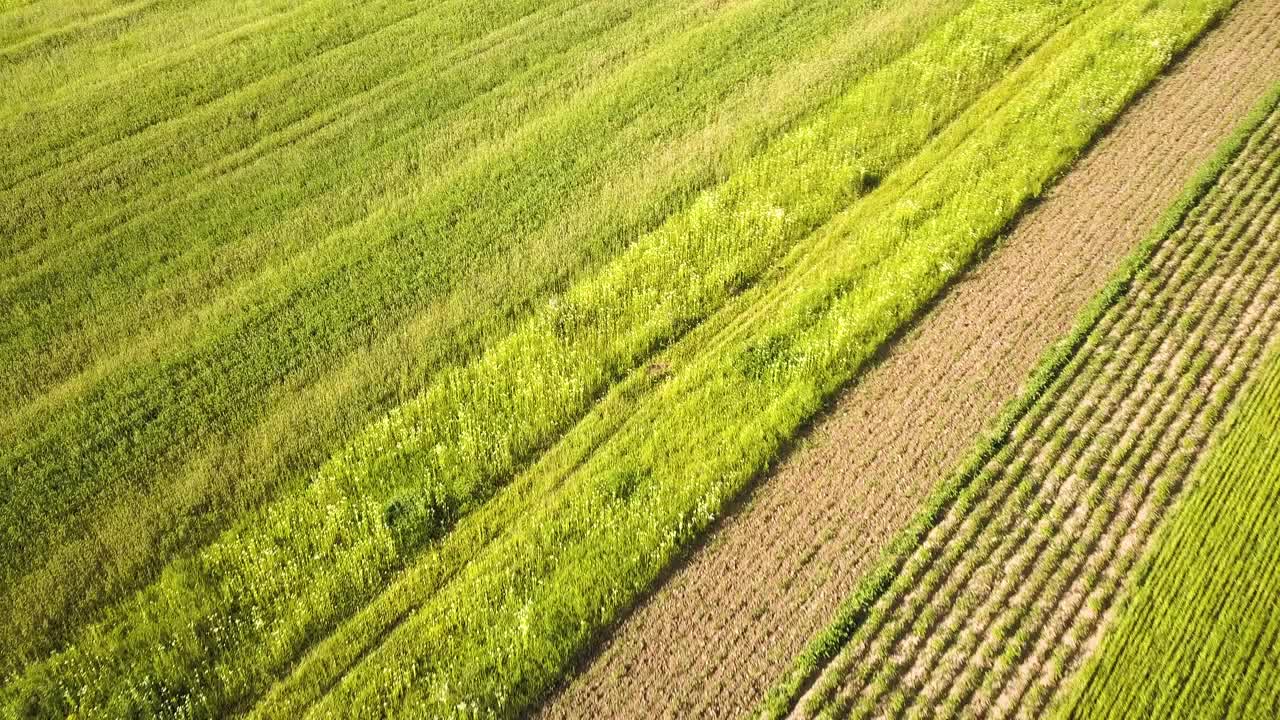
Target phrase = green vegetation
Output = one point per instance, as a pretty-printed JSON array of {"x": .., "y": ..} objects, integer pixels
[
  {"x": 586, "y": 314},
  {"x": 1197, "y": 637},
  {"x": 1192, "y": 635},
  {"x": 264, "y": 279}
]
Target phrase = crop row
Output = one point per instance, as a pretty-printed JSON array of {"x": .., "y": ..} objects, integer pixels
[
  {"x": 1005, "y": 594},
  {"x": 1202, "y": 611}
]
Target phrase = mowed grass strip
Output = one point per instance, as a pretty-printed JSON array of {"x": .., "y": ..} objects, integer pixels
[
  {"x": 188, "y": 418},
  {"x": 1197, "y": 636}
]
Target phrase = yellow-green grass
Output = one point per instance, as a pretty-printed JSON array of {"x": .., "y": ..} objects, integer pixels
[
  {"x": 251, "y": 295},
  {"x": 1198, "y": 635},
  {"x": 413, "y": 575}
]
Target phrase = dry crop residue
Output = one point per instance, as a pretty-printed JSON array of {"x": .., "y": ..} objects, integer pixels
[{"x": 724, "y": 625}]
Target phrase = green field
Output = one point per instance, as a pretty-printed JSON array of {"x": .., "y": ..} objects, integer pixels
[
  {"x": 1198, "y": 637},
  {"x": 374, "y": 359},
  {"x": 352, "y": 243}
]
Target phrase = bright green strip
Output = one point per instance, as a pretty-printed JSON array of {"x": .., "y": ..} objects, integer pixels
[
  {"x": 852, "y": 612},
  {"x": 1198, "y": 636}
]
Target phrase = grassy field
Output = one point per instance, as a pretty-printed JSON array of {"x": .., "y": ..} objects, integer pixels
[
  {"x": 369, "y": 360},
  {"x": 994, "y": 597},
  {"x": 242, "y": 317},
  {"x": 1197, "y": 638}
]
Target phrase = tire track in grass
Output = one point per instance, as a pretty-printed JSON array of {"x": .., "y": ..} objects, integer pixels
[{"x": 780, "y": 566}]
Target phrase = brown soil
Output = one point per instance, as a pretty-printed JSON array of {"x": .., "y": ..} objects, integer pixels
[{"x": 719, "y": 631}]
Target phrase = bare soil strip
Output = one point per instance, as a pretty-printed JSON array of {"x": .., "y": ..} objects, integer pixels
[{"x": 718, "y": 632}]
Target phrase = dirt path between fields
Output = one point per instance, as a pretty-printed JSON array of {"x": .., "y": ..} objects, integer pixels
[{"x": 721, "y": 628}]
